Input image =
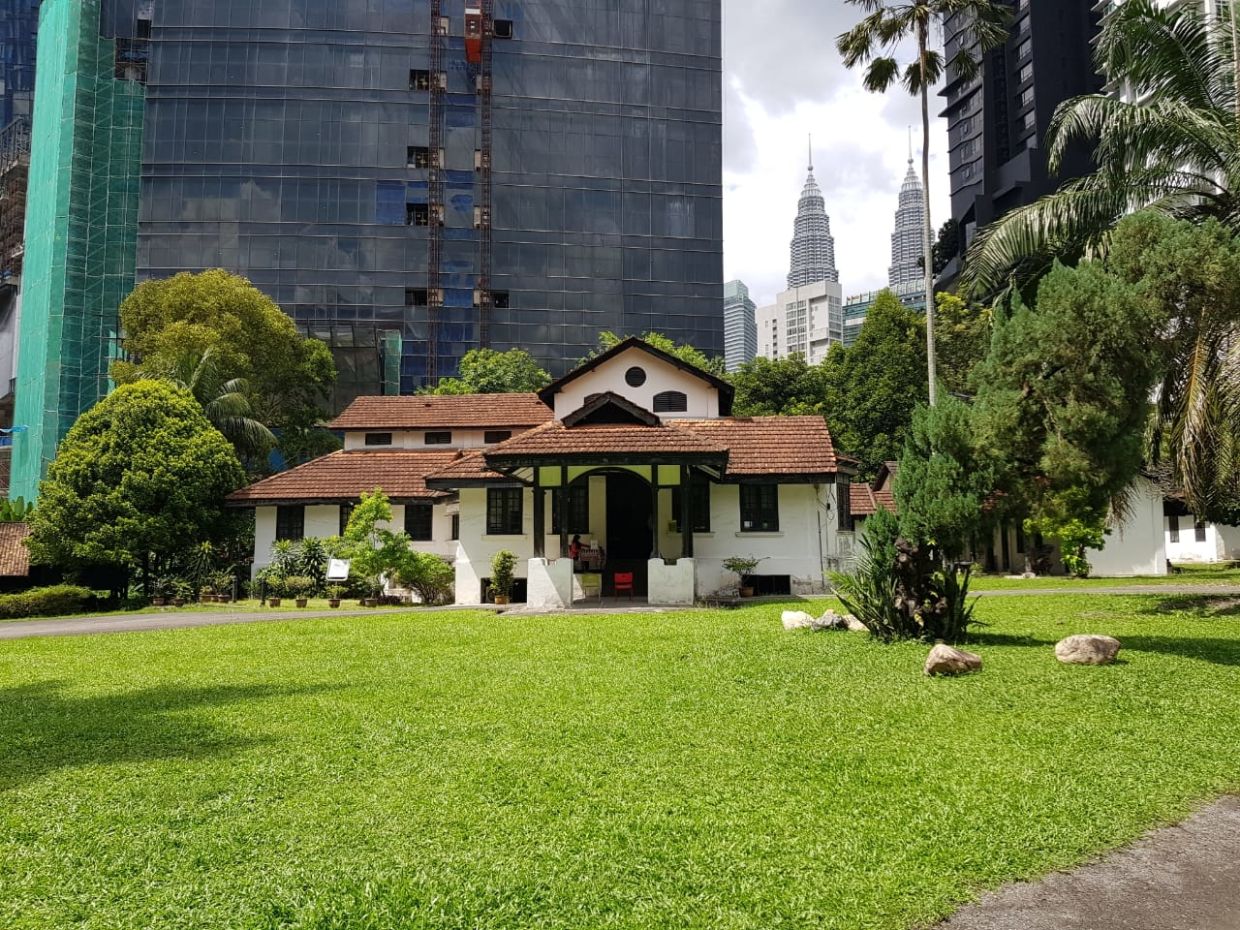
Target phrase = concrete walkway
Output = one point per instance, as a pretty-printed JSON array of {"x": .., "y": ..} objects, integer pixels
[
  {"x": 1179, "y": 878},
  {"x": 172, "y": 620}
]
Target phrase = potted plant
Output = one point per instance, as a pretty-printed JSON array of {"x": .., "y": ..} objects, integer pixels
[
  {"x": 160, "y": 596},
  {"x": 275, "y": 589},
  {"x": 299, "y": 587},
  {"x": 503, "y": 574},
  {"x": 742, "y": 567},
  {"x": 223, "y": 583},
  {"x": 334, "y": 593},
  {"x": 181, "y": 592}
]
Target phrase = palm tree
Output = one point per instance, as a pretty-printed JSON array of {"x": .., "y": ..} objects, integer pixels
[
  {"x": 876, "y": 40},
  {"x": 1171, "y": 145},
  {"x": 226, "y": 403}
]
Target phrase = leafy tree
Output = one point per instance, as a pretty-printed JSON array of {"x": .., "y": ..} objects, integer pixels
[
  {"x": 225, "y": 403},
  {"x": 486, "y": 371},
  {"x": 769, "y": 387},
  {"x": 875, "y": 41},
  {"x": 1064, "y": 397},
  {"x": 1172, "y": 146},
  {"x": 374, "y": 550},
  {"x": 945, "y": 482},
  {"x": 963, "y": 341},
  {"x": 947, "y": 246},
  {"x": 427, "y": 575},
  {"x": 873, "y": 387},
  {"x": 686, "y": 353},
  {"x": 1191, "y": 274},
  {"x": 248, "y": 336},
  {"x": 139, "y": 478}
]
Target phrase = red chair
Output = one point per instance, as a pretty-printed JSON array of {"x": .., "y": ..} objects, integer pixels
[{"x": 622, "y": 581}]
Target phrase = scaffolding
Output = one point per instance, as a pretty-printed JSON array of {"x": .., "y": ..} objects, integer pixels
[
  {"x": 14, "y": 173},
  {"x": 81, "y": 231}
]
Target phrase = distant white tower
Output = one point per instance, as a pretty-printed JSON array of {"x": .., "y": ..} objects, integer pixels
[
  {"x": 813, "y": 248},
  {"x": 907, "y": 245}
]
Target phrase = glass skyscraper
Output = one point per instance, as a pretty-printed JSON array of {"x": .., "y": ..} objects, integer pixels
[
  {"x": 297, "y": 142},
  {"x": 813, "y": 246},
  {"x": 908, "y": 239},
  {"x": 409, "y": 179}
]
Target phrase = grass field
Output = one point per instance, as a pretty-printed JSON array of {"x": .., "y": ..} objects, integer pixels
[
  {"x": 1188, "y": 575},
  {"x": 701, "y": 770}
]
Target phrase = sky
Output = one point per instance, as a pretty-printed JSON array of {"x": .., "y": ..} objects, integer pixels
[{"x": 784, "y": 80}]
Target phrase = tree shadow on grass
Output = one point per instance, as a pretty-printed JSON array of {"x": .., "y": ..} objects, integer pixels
[
  {"x": 1211, "y": 607},
  {"x": 1215, "y": 651},
  {"x": 43, "y": 730}
]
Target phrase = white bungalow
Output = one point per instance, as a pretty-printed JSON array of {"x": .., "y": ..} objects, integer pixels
[{"x": 635, "y": 453}]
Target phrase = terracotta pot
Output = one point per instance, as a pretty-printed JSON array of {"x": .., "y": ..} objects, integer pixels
[
  {"x": 334, "y": 602},
  {"x": 178, "y": 602},
  {"x": 502, "y": 599},
  {"x": 158, "y": 601},
  {"x": 303, "y": 601},
  {"x": 746, "y": 592},
  {"x": 223, "y": 598},
  {"x": 273, "y": 602},
  {"x": 370, "y": 602}
]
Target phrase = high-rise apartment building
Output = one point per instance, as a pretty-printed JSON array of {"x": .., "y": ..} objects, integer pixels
[
  {"x": 997, "y": 120},
  {"x": 740, "y": 329},
  {"x": 407, "y": 180},
  {"x": 908, "y": 243}
]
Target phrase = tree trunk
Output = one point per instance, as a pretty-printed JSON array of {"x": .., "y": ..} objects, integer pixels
[{"x": 923, "y": 37}]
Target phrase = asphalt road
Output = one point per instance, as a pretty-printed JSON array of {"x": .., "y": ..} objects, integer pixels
[{"x": 1180, "y": 878}]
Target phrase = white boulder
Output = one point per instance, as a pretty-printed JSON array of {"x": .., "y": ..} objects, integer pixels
[
  {"x": 948, "y": 660},
  {"x": 1087, "y": 650},
  {"x": 798, "y": 620},
  {"x": 830, "y": 621}
]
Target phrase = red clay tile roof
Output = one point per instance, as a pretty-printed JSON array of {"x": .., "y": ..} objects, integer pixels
[
  {"x": 471, "y": 466},
  {"x": 605, "y": 439},
  {"x": 760, "y": 446},
  {"x": 345, "y": 476},
  {"x": 461, "y": 411},
  {"x": 861, "y": 499},
  {"x": 14, "y": 556}
]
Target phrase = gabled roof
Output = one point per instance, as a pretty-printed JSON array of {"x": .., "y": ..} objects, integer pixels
[
  {"x": 605, "y": 441},
  {"x": 344, "y": 476},
  {"x": 614, "y": 407},
  {"x": 771, "y": 446},
  {"x": 429, "y": 411},
  {"x": 14, "y": 556},
  {"x": 726, "y": 391}
]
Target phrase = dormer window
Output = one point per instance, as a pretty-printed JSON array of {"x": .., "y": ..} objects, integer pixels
[
  {"x": 378, "y": 439},
  {"x": 671, "y": 402},
  {"x": 438, "y": 439}
]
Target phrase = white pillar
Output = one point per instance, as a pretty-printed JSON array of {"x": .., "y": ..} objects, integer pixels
[
  {"x": 550, "y": 584},
  {"x": 672, "y": 585}
]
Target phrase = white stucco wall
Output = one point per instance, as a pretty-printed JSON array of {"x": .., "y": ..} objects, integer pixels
[
  {"x": 475, "y": 549},
  {"x": 703, "y": 400},
  {"x": 1222, "y": 543},
  {"x": 1137, "y": 546},
  {"x": 415, "y": 440}
]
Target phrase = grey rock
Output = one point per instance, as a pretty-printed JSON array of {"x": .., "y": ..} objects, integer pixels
[
  {"x": 948, "y": 660},
  {"x": 1087, "y": 650},
  {"x": 797, "y": 620}
]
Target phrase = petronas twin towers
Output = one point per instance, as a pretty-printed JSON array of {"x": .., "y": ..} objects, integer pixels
[{"x": 813, "y": 246}]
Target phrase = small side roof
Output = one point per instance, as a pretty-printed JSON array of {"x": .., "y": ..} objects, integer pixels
[
  {"x": 14, "y": 556},
  {"x": 345, "y": 476},
  {"x": 726, "y": 391},
  {"x": 452, "y": 411}
]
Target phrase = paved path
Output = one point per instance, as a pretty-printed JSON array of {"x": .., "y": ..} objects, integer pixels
[
  {"x": 172, "y": 620},
  {"x": 1179, "y": 878}
]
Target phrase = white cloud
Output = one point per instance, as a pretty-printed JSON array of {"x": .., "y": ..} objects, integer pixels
[{"x": 860, "y": 153}]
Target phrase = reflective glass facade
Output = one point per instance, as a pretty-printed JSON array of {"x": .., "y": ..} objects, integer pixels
[
  {"x": 287, "y": 140},
  {"x": 19, "y": 23}
]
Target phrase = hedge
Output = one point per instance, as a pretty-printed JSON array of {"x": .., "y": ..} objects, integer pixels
[{"x": 45, "y": 602}]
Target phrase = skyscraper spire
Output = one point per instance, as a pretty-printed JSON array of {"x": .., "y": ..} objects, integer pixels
[
  {"x": 811, "y": 153},
  {"x": 907, "y": 245},
  {"x": 813, "y": 248}
]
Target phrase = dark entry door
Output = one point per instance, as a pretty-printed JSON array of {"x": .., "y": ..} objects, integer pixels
[{"x": 630, "y": 529}]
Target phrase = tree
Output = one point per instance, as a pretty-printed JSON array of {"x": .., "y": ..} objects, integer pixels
[
  {"x": 249, "y": 337},
  {"x": 786, "y": 386},
  {"x": 1173, "y": 145},
  {"x": 138, "y": 479},
  {"x": 947, "y": 246},
  {"x": 374, "y": 551},
  {"x": 963, "y": 341},
  {"x": 1064, "y": 397},
  {"x": 875, "y": 40},
  {"x": 1191, "y": 274},
  {"x": 225, "y": 403},
  {"x": 683, "y": 351},
  {"x": 486, "y": 371},
  {"x": 945, "y": 482},
  {"x": 873, "y": 387}
]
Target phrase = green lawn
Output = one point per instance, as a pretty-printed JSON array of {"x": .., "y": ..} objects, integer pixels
[
  {"x": 1189, "y": 575},
  {"x": 699, "y": 770},
  {"x": 245, "y": 606}
]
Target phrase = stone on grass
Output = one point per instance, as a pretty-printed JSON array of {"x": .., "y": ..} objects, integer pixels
[
  {"x": 1087, "y": 650},
  {"x": 797, "y": 620},
  {"x": 855, "y": 625},
  {"x": 948, "y": 660},
  {"x": 830, "y": 621}
]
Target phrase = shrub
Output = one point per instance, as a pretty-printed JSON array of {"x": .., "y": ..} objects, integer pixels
[
  {"x": 503, "y": 572},
  {"x": 298, "y": 586},
  {"x": 428, "y": 576},
  {"x": 869, "y": 592},
  {"x": 312, "y": 557},
  {"x": 46, "y": 602}
]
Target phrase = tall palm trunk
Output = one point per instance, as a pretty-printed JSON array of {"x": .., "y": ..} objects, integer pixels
[{"x": 923, "y": 29}]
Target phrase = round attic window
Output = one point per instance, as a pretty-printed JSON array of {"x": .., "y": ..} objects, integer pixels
[{"x": 635, "y": 376}]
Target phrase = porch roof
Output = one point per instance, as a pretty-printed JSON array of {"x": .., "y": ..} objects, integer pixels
[
  {"x": 794, "y": 447},
  {"x": 344, "y": 476},
  {"x": 556, "y": 443}
]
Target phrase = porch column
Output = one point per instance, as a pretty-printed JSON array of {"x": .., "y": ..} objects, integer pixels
[
  {"x": 686, "y": 512},
  {"x": 563, "y": 492},
  {"x": 540, "y": 518},
  {"x": 655, "y": 549}
]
